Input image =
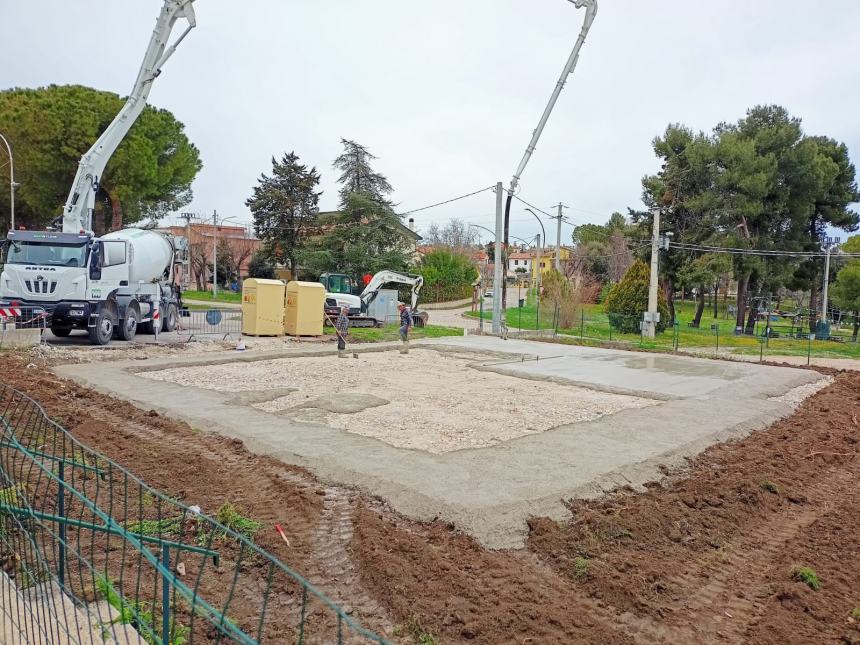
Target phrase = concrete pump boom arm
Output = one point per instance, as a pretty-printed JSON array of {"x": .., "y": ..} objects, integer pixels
[
  {"x": 570, "y": 65},
  {"x": 78, "y": 211},
  {"x": 385, "y": 277}
]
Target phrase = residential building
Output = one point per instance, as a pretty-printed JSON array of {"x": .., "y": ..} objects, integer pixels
[{"x": 239, "y": 243}]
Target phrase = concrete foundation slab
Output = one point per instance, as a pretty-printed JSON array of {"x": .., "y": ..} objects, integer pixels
[{"x": 490, "y": 492}]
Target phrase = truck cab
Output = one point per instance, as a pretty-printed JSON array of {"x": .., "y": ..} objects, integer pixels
[{"x": 46, "y": 270}]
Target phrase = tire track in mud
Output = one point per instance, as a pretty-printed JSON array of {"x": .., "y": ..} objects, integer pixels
[
  {"x": 331, "y": 568},
  {"x": 712, "y": 608}
]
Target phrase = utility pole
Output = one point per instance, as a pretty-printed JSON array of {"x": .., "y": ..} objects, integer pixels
[
  {"x": 829, "y": 243},
  {"x": 558, "y": 239},
  {"x": 498, "y": 275},
  {"x": 537, "y": 282},
  {"x": 652, "y": 316},
  {"x": 214, "y": 254},
  {"x": 186, "y": 264}
]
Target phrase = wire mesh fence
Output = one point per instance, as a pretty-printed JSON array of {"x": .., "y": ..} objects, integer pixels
[
  {"x": 223, "y": 323},
  {"x": 767, "y": 334},
  {"x": 23, "y": 317},
  {"x": 91, "y": 554}
]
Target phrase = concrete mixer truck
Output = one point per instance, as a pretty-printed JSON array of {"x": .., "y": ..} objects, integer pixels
[
  {"x": 115, "y": 284},
  {"x": 110, "y": 286}
]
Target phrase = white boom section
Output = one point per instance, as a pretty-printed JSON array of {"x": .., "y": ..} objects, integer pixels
[
  {"x": 385, "y": 277},
  {"x": 77, "y": 214},
  {"x": 590, "y": 13}
]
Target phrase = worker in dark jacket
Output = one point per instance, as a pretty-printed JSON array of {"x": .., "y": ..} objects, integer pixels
[
  {"x": 342, "y": 327},
  {"x": 405, "y": 326}
]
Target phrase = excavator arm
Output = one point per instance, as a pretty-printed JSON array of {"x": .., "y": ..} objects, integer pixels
[
  {"x": 386, "y": 277},
  {"x": 78, "y": 211}
]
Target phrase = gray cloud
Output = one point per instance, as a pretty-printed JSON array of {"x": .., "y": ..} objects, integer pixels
[{"x": 447, "y": 93}]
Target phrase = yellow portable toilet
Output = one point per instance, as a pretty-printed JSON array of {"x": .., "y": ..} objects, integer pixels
[
  {"x": 304, "y": 311},
  {"x": 262, "y": 307}
]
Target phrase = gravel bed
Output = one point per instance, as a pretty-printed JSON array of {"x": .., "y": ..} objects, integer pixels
[{"x": 433, "y": 401}]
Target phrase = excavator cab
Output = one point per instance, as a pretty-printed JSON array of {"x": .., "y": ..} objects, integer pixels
[{"x": 338, "y": 283}]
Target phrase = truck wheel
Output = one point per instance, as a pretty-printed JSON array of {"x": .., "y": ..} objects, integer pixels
[
  {"x": 102, "y": 332},
  {"x": 60, "y": 332},
  {"x": 128, "y": 327},
  {"x": 171, "y": 316}
]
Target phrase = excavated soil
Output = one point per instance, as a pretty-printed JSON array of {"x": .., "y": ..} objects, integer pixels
[{"x": 703, "y": 556}]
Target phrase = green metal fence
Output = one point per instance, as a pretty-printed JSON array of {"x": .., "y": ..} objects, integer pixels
[
  {"x": 89, "y": 553},
  {"x": 770, "y": 335}
]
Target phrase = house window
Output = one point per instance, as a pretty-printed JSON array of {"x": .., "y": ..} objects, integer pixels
[
  {"x": 542, "y": 265},
  {"x": 516, "y": 262}
]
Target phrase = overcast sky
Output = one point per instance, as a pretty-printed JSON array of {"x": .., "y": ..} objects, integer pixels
[{"x": 446, "y": 93}]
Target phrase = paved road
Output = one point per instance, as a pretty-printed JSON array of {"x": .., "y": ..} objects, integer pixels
[{"x": 211, "y": 304}]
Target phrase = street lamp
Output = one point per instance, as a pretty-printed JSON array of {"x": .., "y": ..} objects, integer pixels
[
  {"x": 12, "y": 184},
  {"x": 215, "y": 251},
  {"x": 493, "y": 233}
]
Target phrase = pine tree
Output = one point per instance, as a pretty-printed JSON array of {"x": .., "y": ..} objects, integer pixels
[
  {"x": 365, "y": 235},
  {"x": 284, "y": 207},
  {"x": 628, "y": 299}
]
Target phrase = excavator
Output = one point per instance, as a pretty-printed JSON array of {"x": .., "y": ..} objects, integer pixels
[{"x": 339, "y": 293}]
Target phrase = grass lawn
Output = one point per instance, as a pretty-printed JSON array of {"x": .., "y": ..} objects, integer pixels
[
  {"x": 223, "y": 296},
  {"x": 377, "y": 335},
  {"x": 593, "y": 327}
]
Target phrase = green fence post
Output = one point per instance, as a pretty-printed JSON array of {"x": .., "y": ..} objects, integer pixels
[
  {"x": 610, "y": 327},
  {"x": 761, "y": 350},
  {"x": 809, "y": 349},
  {"x": 61, "y": 512},
  {"x": 165, "y": 596},
  {"x": 581, "y": 323}
]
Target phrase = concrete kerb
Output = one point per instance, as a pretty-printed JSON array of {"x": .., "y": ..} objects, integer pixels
[
  {"x": 18, "y": 338},
  {"x": 488, "y": 492}
]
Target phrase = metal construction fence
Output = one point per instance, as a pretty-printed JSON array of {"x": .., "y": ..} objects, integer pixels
[
  {"x": 223, "y": 323},
  {"x": 21, "y": 317},
  {"x": 91, "y": 554},
  {"x": 768, "y": 336}
]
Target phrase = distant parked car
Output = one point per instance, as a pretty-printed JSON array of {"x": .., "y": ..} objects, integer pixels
[{"x": 488, "y": 293}]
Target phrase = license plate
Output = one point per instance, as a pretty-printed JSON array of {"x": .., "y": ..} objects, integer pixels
[{"x": 76, "y": 312}]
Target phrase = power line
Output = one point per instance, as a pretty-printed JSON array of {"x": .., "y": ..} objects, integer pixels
[
  {"x": 540, "y": 210},
  {"x": 447, "y": 201},
  {"x": 759, "y": 252}
]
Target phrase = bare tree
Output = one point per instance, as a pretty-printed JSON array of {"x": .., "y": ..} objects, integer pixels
[
  {"x": 456, "y": 235},
  {"x": 619, "y": 257},
  {"x": 198, "y": 254},
  {"x": 240, "y": 249}
]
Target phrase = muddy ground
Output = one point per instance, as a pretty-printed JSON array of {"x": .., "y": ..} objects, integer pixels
[{"x": 704, "y": 556}]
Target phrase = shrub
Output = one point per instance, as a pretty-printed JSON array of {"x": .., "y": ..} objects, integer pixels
[
  {"x": 629, "y": 298},
  {"x": 447, "y": 276},
  {"x": 558, "y": 291}
]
